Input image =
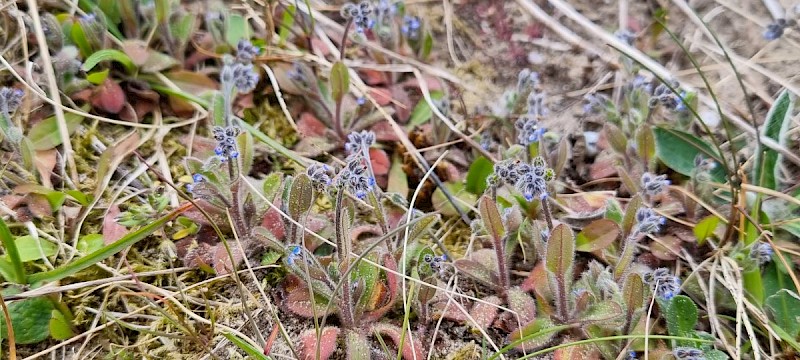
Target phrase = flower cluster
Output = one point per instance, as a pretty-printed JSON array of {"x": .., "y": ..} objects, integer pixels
[
  {"x": 293, "y": 252},
  {"x": 319, "y": 175},
  {"x": 648, "y": 221},
  {"x": 355, "y": 178},
  {"x": 527, "y": 80},
  {"x": 654, "y": 184},
  {"x": 359, "y": 142},
  {"x": 665, "y": 285},
  {"x": 529, "y": 179},
  {"x": 594, "y": 102},
  {"x": 528, "y": 130},
  {"x": 240, "y": 76},
  {"x": 688, "y": 353},
  {"x": 246, "y": 51},
  {"x": 663, "y": 95},
  {"x": 196, "y": 179},
  {"x": 761, "y": 252},
  {"x": 436, "y": 263},
  {"x": 360, "y": 14},
  {"x": 226, "y": 141},
  {"x": 10, "y": 99},
  {"x": 411, "y": 26},
  {"x": 776, "y": 29}
]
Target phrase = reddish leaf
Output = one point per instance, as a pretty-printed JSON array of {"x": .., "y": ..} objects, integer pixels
[
  {"x": 45, "y": 162},
  {"x": 484, "y": 313},
  {"x": 326, "y": 344},
  {"x": 597, "y": 235},
  {"x": 112, "y": 231},
  {"x": 222, "y": 262},
  {"x": 412, "y": 349},
  {"x": 384, "y": 131},
  {"x": 523, "y": 304},
  {"x": 109, "y": 97},
  {"x": 273, "y": 221},
  {"x": 382, "y": 96},
  {"x": 380, "y": 161},
  {"x": 308, "y": 125},
  {"x": 299, "y": 302},
  {"x": 666, "y": 248}
]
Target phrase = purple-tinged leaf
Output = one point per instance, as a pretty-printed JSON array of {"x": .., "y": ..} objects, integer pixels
[
  {"x": 484, "y": 313},
  {"x": 478, "y": 272},
  {"x": 411, "y": 349},
  {"x": 597, "y": 236},
  {"x": 522, "y": 304}
]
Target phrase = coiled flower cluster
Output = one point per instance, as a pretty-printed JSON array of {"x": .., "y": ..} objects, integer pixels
[
  {"x": 761, "y": 252},
  {"x": 360, "y": 14},
  {"x": 529, "y": 179},
  {"x": 246, "y": 51},
  {"x": 654, "y": 184},
  {"x": 664, "y": 284},
  {"x": 226, "y": 141},
  {"x": 688, "y": 353},
  {"x": 10, "y": 99},
  {"x": 648, "y": 221},
  {"x": 359, "y": 142},
  {"x": 355, "y": 178}
]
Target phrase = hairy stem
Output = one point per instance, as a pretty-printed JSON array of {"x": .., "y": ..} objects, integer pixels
[
  {"x": 343, "y": 248},
  {"x": 548, "y": 215}
]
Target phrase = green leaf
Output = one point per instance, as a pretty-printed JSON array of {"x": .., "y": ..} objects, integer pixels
[
  {"x": 560, "y": 251},
  {"x": 645, "y": 142},
  {"x": 613, "y": 211},
  {"x": 60, "y": 329},
  {"x": 109, "y": 54},
  {"x": 534, "y": 335},
  {"x": 218, "y": 109},
  {"x": 90, "y": 243},
  {"x": 28, "y": 248},
  {"x": 301, "y": 197},
  {"x": 606, "y": 313},
  {"x": 705, "y": 228},
  {"x": 340, "y": 81},
  {"x": 272, "y": 184},
  {"x": 422, "y": 111},
  {"x": 427, "y": 46},
  {"x": 97, "y": 77},
  {"x": 479, "y": 170},
  {"x": 491, "y": 218},
  {"x": 766, "y": 167},
  {"x": 477, "y": 272},
  {"x": 678, "y": 149},
  {"x": 30, "y": 319},
  {"x": 79, "y": 196},
  {"x": 784, "y": 308},
  {"x": 13, "y": 269},
  {"x": 617, "y": 138},
  {"x": 460, "y": 196},
  {"x": 286, "y": 24},
  {"x": 681, "y": 318},
  {"x": 79, "y": 39},
  {"x": 597, "y": 235},
  {"x": 103, "y": 253},
  {"x": 183, "y": 28},
  {"x": 162, "y": 10},
  {"x": 45, "y": 135},
  {"x": 270, "y": 258},
  {"x": 245, "y": 346},
  {"x": 398, "y": 180},
  {"x": 630, "y": 216},
  {"x": 633, "y": 293},
  {"x": 236, "y": 29}
]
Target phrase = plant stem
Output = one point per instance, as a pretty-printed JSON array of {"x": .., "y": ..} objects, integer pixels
[
  {"x": 342, "y": 244},
  {"x": 548, "y": 215},
  {"x": 343, "y": 45},
  {"x": 502, "y": 268}
]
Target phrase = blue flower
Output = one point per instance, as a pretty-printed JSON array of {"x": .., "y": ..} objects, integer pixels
[
  {"x": 226, "y": 141},
  {"x": 197, "y": 178},
  {"x": 357, "y": 142},
  {"x": 240, "y": 76},
  {"x": 355, "y": 179},
  {"x": 294, "y": 252},
  {"x": 648, "y": 221},
  {"x": 411, "y": 26}
]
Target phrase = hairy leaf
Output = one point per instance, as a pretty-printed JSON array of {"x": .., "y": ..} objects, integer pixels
[
  {"x": 561, "y": 251},
  {"x": 491, "y": 218},
  {"x": 326, "y": 346},
  {"x": 766, "y": 168}
]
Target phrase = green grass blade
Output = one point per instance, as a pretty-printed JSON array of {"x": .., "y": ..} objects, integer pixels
[
  {"x": 13, "y": 254},
  {"x": 777, "y": 124},
  {"x": 109, "y": 54},
  {"x": 103, "y": 253},
  {"x": 245, "y": 346}
]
